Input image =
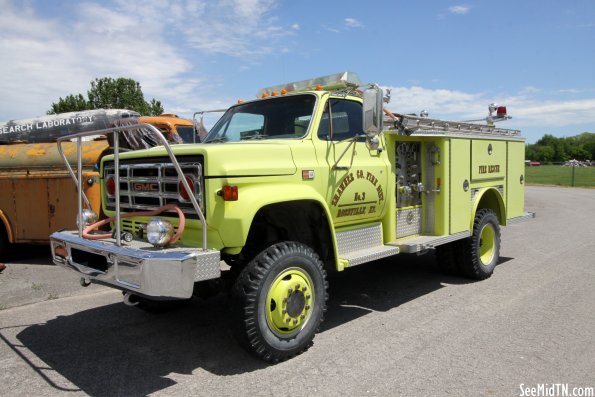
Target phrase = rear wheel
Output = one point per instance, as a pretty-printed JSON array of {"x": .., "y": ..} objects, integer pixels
[
  {"x": 279, "y": 301},
  {"x": 481, "y": 252}
]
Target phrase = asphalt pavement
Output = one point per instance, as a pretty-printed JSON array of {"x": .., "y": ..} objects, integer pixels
[{"x": 393, "y": 327}]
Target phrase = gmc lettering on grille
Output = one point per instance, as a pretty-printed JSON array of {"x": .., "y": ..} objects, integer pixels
[{"x": 145, "y": 187}]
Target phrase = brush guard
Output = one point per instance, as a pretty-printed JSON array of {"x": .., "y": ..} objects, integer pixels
[{"x": 136, "y": 266}]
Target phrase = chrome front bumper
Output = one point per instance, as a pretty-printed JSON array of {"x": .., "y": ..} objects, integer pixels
[{"x": 137, "y": 266}]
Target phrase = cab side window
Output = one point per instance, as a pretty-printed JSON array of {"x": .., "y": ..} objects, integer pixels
[{"x": 346, "y": 120}]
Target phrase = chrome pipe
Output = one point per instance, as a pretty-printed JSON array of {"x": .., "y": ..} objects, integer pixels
[
  {"x": 160, "y": 138},
  {"x": 71, "y": 171},
  {"x": 79, "y": 172},
  {"x": 117, "y": 193}
]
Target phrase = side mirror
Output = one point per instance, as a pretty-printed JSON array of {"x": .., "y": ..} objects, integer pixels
[{"x": 372, "y": 109}]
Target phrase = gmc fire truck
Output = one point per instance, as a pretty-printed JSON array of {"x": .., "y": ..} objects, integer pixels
[{"x": 312, "y": 177}]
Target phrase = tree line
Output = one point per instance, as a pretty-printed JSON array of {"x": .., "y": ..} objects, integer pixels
[{"x": 552, "y": 149}]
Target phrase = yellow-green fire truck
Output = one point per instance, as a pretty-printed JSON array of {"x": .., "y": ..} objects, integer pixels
[{"x": 312, "y": 177}]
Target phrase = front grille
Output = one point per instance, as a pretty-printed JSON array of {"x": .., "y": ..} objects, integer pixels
[{"x": 147, "y": 184}]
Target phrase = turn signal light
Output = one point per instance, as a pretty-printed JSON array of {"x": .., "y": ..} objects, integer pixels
[
  {"x": 229, "y": 193},
  {"x": 183, "y": 193},
  {"x": 110, "y": 186}
]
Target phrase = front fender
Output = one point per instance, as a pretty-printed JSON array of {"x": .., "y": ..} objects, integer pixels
[{"x": 233, "y": 219}]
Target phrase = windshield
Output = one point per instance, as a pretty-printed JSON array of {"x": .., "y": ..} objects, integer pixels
[
  {"x": 282, "y": 117},
  {"x": 186, "y": 132}
]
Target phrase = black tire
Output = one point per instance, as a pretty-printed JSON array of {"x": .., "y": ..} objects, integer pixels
[
  {"x": 481, "y": 251},
  {"x": 447, "y": 257},
  {"x": 4, "y": 244},
  {"x": 279, "y": 301}
]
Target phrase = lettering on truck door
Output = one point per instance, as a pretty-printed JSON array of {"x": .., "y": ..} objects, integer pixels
[{"x": 358, "y": 176}]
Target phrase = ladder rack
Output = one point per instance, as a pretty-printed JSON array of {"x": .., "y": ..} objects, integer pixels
[{"x": 414, "y": 125}]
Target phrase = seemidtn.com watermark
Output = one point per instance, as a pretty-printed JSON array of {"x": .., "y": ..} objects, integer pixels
[{"x": 555, "y": 390}]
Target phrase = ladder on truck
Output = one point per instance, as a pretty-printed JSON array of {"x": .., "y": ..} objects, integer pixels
[{"x": 410, "y": 125}]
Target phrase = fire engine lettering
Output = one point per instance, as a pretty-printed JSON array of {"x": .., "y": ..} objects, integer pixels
[
  {"x": 372, "y": 178},
  {"x": 346, "y": 182},
  {"x": 489, "y": 169},
  {"x": 351, "y": 211},
  {"x": 380, "y": 193},
  {"x": 146, "y": 187},
  {"x": 359, "y": 196}
]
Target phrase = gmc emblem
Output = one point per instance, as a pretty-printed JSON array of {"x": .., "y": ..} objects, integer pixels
[{"x": 145, "y": 187}]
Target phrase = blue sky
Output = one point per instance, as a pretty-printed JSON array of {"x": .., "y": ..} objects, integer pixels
[{"x": 448, "y": 57}]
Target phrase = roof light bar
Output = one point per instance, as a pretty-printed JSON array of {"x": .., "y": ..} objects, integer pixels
[{"x": 331, "y": 82}]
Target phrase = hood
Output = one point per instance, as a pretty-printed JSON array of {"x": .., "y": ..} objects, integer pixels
[
  {"x": 231, "y": 159},
  {"x": 248, "y": 159}
]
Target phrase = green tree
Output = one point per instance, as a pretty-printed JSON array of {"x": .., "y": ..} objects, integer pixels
[
  {"x": 110, "y": 93},
  {"x": 71, "y": 103},
  {"x": 550, "y": 148},
  {"x": 544, "y": 153}
]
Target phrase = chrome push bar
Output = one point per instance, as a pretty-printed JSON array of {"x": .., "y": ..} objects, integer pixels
[{"x": 116, "y": 131}]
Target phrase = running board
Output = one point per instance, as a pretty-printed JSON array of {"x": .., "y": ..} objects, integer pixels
[
  {"x": 369, "y": 255},
  {"x": 412, "y": 245},
  {"x": 363, "y": 245},
  {"x": 519, "y": 219}
]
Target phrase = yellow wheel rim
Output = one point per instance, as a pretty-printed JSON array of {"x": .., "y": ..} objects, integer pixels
[
  {"x": 487, "y": 244},
  {"x": 288, "y": 305}
]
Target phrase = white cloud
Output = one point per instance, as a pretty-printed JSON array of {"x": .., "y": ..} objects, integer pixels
[
  {"x": 459, "y": 9},
  {"x": 529, "y": 90},
  {"x": 295, "y": 26},
  {"x": 330, "y": 29},
  {"x": 352, "y": 23},
  {"x": 525, "y": 107},
  {"x": 238, "y": 28},
  {"x": 151, "y": 42},
  {"x": 436, "y": 101},
  {"x": 569, "y": 91}
]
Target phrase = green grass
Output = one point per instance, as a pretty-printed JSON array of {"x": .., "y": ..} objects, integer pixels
[{"x": 560, "y": 175}]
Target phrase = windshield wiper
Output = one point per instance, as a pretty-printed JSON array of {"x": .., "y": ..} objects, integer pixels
[
  {"x": 254, "y": 136},
  {"x": 218, "y": 139}
]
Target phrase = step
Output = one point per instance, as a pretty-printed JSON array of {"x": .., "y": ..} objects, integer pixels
[
  {"x": 365, "y": 255},
  {"x": 415, "y": 244}
]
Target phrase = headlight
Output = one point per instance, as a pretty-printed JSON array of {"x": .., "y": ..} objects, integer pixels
[
  {"x": 89, "y": 217},
  {"x": 159, "y": 232}
]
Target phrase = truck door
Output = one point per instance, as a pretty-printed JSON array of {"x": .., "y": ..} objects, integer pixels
[{"x": 357, "y": 175}]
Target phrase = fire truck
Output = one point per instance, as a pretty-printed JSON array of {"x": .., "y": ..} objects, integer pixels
[
  {"x": 312, "y": 177},
  {"x": 31, "y": 168}
]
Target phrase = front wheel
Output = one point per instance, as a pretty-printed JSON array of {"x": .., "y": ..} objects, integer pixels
[
  {"x": 481, "y": 252},
  {"x": 279, "y": 301}
]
